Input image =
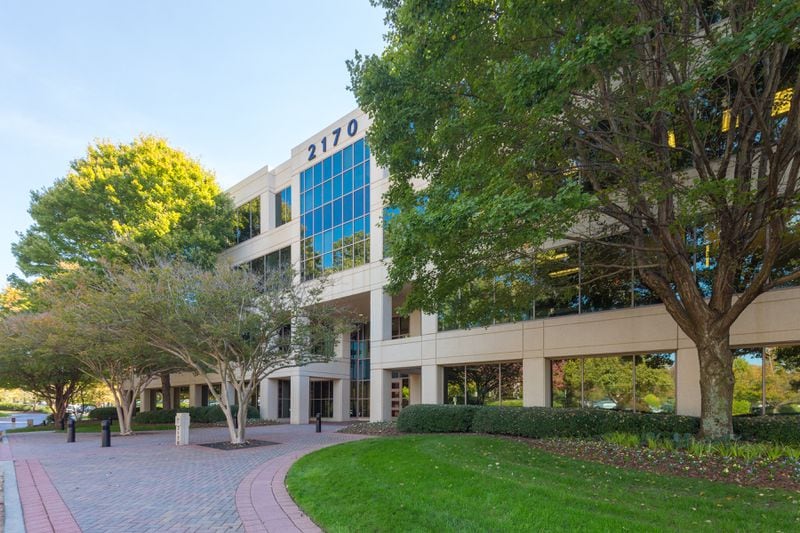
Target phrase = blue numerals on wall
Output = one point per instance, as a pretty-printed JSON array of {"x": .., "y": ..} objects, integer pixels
[{"x": 352, "y": 129}]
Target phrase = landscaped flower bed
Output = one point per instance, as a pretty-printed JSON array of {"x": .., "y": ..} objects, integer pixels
[{"x": 755, "y": 471}]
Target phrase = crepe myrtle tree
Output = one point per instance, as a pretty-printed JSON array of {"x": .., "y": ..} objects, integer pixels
[
  {"x": 94, "y": 315},
  {"x": 673, "y": 126},
  {"x": 35, "y": 356},
  {"x": 230, "y": 327}
]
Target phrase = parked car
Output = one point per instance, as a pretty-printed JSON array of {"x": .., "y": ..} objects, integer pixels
[{"x": 605, "y": 404}]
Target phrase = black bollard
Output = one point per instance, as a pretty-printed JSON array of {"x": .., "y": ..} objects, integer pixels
[
  {"x": 70, "y": 430},
  {"x": 105, "y": 431},
  {"x": 319, "y": 423}
]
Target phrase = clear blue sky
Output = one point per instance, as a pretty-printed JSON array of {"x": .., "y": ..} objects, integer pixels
[{"x": 235, "y": 84}]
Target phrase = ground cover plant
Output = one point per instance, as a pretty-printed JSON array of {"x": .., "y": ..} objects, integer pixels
[{"x": 483, "y": 483}]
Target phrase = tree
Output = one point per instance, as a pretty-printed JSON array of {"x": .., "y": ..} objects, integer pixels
[
  {"x": 230, "y": 327},
  {"x": 120, "y": 202},
  {"x": 35, "y": 355},
  {"x": 673, "y": 126},
  {"x": 95, "y": 314}
]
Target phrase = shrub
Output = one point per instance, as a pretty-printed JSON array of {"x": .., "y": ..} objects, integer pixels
[
  {"x": 776, "y": 428},
  {"x": 541, "y": 422},
  {"x": 741, "y": 407},
  {"x": 628, "y": 440},
  {"x": 17, "y": 407},
  {"x": 103, "y": 413},
  {"x": 438, "y": 418},
  {"x": 198, "y": 415}
]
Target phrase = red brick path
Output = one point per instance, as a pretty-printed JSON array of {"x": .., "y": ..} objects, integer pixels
[{"x": 42, "y": 506}]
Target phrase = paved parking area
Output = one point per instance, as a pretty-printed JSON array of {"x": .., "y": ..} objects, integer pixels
[{"x": 146, "y": 483}]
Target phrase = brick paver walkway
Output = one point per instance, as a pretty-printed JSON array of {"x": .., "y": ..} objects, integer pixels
[{"x": 146, "y": 483}]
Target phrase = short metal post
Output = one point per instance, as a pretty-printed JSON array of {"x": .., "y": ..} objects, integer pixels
[
  {"x": 319, "y": 422},
  {"x": 105, "y": 432},
  {"x": 70, "y": 430}
]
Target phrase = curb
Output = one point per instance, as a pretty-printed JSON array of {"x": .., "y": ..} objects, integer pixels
[{"x": 14, "y": 522}]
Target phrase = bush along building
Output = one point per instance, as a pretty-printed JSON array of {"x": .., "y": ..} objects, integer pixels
[{"x": 590, "y": 341}]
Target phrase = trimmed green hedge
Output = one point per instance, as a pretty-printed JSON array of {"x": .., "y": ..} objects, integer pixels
[
  {"x": 541, "y": 422},
  {"x": 775, "y": 428},
  {"x": 199, "y": 415},
  {"x": 436, "y": 418},
  {"x": 103, "y": 413}
]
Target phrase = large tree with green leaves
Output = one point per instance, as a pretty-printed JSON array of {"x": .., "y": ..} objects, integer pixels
[
  {"x": 125, "y": 200},
  {"x": 672, "y": 125}
]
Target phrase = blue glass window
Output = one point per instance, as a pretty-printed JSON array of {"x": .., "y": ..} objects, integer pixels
[{"x": 334, "y": 201}]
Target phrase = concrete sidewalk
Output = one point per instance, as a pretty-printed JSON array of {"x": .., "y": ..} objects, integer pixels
[{"x": 146, "y": 483}]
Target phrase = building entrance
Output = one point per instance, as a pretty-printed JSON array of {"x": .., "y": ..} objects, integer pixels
[{"x": 400, "y": 393}]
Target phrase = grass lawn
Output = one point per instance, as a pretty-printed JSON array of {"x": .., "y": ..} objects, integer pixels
[{"x": 479, "y": 483}]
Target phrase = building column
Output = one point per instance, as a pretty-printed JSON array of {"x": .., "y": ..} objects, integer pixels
[
  {"x": 145, "y": 401},
  {"x": 298, "y": 410},
  {"x": 380, "y": 395},
  {"x": 380, "y": 315},
  {"x": 687, "y": 382},
  {"x": 268, "y": 399},
  {"x": 196, "y": 395},
  {"x": 429, "y": 324},
  {"x": 535, "y": 382},
  {"x": 414, "y": 389},
  {"x": 432, "y": 382},
  {"x": 341, "y": 400}
]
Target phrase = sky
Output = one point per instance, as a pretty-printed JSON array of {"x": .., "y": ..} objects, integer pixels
[{"x": 234, "y": 84}]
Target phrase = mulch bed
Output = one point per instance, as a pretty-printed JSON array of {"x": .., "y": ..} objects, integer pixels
[
  {"x": 371, "y": 428},
  {"x": 780, "y": 474},
  {"x": 227, "y": 446}
]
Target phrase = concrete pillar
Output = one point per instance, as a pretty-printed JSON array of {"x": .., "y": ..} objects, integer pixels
[
  {"x": 535, "y": 382},
  {"x": 380, "y": 395},
  {"x": 380, "y": 315},
  {"x": 341, "y": 400},
  {"x": 687, "y": 383},
  {"x": 146, "y": 400},
  {"x": 432, "y": 383},
  {"x": 196, "y": 395},
  {"x": 342, "y": 349},
  {"x": 414, "y": 389},
  {"x": 268, "y": 396},
  {"x": 299, "y": 400},
  {"x": 429, "y": 324}
]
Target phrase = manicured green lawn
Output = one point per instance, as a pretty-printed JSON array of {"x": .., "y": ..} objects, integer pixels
[{"x": 478, "y": 483}]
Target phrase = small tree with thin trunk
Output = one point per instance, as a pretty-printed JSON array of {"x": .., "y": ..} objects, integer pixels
[
  {"x": 96, "y": 317},
  {"x": 35, "y": 357},
  {"x": 232, "y": 328}
]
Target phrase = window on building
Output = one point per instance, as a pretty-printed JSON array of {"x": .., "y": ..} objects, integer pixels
[
  {"x": 277, "y": 261},
  {"x": 359, "y": 371},
  {"x": 401, "y": 327},
  {"x": 247, "y": 220},
  {"x": 334, "y": 211},
  {"x": 486, "y": 384},
  {"x": 284, "y": 398},
  {"x": 283, "y": 207},
  {"x": 641, "y": 383},
  {"x": 767, "y": 380},
  {"x": 321, "y": 399}
]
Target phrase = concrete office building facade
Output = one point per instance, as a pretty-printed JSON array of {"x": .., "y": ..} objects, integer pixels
[{"x": 321, "y": 211}]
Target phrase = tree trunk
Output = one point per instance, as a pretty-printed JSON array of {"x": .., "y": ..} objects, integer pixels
[
  {"x": 166, "y": 390},
  {"x": 716, "y": 388},
  {"x": 241, "y": 417}
]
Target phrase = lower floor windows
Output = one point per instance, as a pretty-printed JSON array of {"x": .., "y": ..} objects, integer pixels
[
  {"x": 284, "y": 398},
  {"x": 321, "y": 399},
  {"x": 486, "y": 384},
  {"x": 640, "y": 383},
  {"x": 767, "y": 380}
]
